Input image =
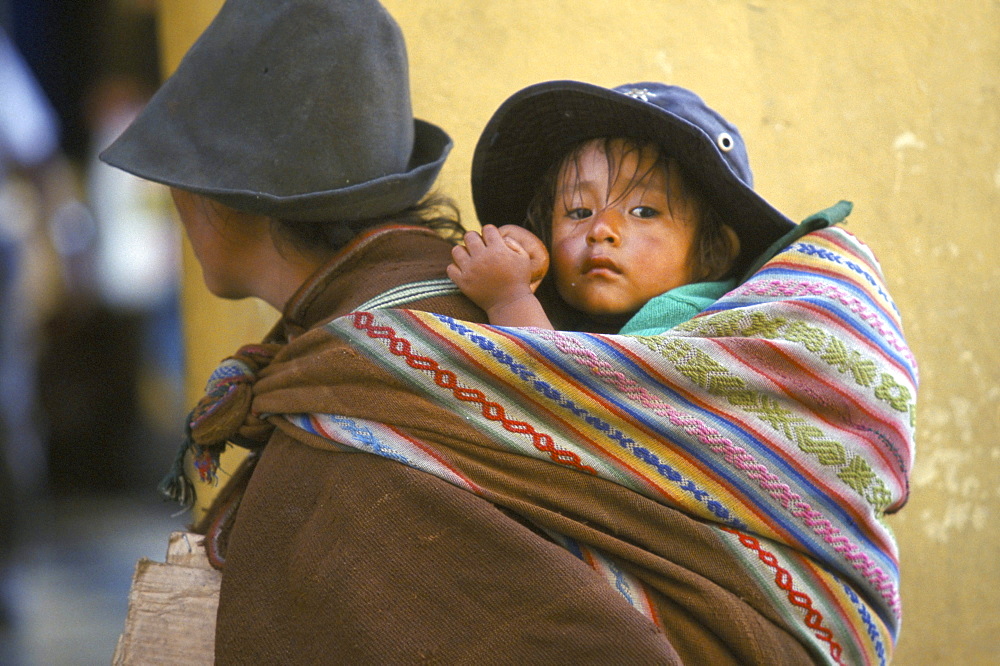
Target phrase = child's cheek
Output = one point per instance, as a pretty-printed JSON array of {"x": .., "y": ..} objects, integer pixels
[{"x": 563, "y": 260}]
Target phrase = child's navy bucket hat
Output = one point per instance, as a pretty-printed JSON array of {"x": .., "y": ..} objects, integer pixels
[{"x": 538, "y": 125}]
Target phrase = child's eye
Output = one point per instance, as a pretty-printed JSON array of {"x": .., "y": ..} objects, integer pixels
[
  {"x": 644, "y": 211},
  {"x": 579, "y": 213}
]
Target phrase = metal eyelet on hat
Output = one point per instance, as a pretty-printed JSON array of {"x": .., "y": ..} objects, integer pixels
[{"x": 725, "y": 142}]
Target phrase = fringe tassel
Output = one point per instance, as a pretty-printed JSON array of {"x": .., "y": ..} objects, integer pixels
[{"x": 175, "y": 486}]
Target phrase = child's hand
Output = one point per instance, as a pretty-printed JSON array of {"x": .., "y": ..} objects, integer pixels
[
  {"x": 493, "y": 270},
  {"x": 520, "y": 238}
]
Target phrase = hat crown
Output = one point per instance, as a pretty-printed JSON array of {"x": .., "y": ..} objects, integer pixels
[
  {"x": 691, "y": 108},
  {"x": 284, "y": 99}
]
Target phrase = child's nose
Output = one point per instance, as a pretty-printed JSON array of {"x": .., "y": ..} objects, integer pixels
[{"x": 606, "y": 228}]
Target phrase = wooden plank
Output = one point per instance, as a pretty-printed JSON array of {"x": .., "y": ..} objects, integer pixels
[
  {"x": 172, "y": 606},
  {"x": 186, "y": 549}
]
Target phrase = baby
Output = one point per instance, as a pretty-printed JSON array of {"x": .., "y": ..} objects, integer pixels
[{"x": 622, "y": 226}]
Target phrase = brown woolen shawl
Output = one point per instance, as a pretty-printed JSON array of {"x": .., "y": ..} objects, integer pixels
[{"x": 346, "y": 557}]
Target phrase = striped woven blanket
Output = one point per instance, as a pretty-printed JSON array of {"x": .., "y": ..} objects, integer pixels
[{"x": 782, "y": 418}]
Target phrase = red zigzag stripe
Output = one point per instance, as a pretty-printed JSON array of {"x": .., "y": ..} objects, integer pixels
[
  {"x": 447, "y": 379},
  {"x": 783, "y": 579}
]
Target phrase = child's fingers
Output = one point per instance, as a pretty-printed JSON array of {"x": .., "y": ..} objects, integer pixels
[
  {"x": 532, "y": 246},
  {"x": 491, "y": 235},
  {"x": 514, "y": 245},
  {"x": 473, "y": 240},
  {"x": 524, "y": 239},
  {"x": 496, "y": 240},
  {"x": 459, "y": 254}
]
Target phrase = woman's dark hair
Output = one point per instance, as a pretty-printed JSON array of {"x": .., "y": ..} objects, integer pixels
[
  {"x": 433, "y": 212},
  {"x": 714, "y": 255}
]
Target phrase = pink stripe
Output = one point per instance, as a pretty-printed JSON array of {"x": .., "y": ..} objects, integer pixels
[
  {"x": 579, "y": 437},
  {"x": 790, "y": 289},
  {"x": 742, "y": 460}
]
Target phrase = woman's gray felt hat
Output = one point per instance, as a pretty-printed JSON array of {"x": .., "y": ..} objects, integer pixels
[
  {"x": 295, "y": 109},
  {"x": 536, "y": 126}
]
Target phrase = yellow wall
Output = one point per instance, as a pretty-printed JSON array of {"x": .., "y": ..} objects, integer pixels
[{"x": 893, "y": 104}]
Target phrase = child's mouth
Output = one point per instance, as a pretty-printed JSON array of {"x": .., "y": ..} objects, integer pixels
[{"x": 595, "y": 266}]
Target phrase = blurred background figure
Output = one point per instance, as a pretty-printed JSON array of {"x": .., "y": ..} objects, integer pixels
[
  {"x": 91, "y": 358},
  {"x": 109, "y": 365},
  {"x": 29, "y": 146},
  {"x": 112, "y": 412}
]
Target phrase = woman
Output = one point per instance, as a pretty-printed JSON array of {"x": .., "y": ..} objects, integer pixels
[{"x": 287, "y": 140}]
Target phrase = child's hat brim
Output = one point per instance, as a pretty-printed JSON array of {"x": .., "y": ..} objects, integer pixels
[{"x": 538, "y": 125}]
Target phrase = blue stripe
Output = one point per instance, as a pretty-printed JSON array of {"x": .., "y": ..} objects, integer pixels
[
  {"x": 840, "y": 311},
  {"x": 813, "y": 543},
  {"x": 546, "y": 390}
]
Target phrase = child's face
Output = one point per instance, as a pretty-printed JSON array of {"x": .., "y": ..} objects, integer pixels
[{"x": 621, "y": 234}]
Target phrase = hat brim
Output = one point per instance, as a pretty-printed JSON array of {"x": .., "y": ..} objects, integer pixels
[
  {"x": 536, "y": 126},
  {"x": 143, "y": 151}
]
